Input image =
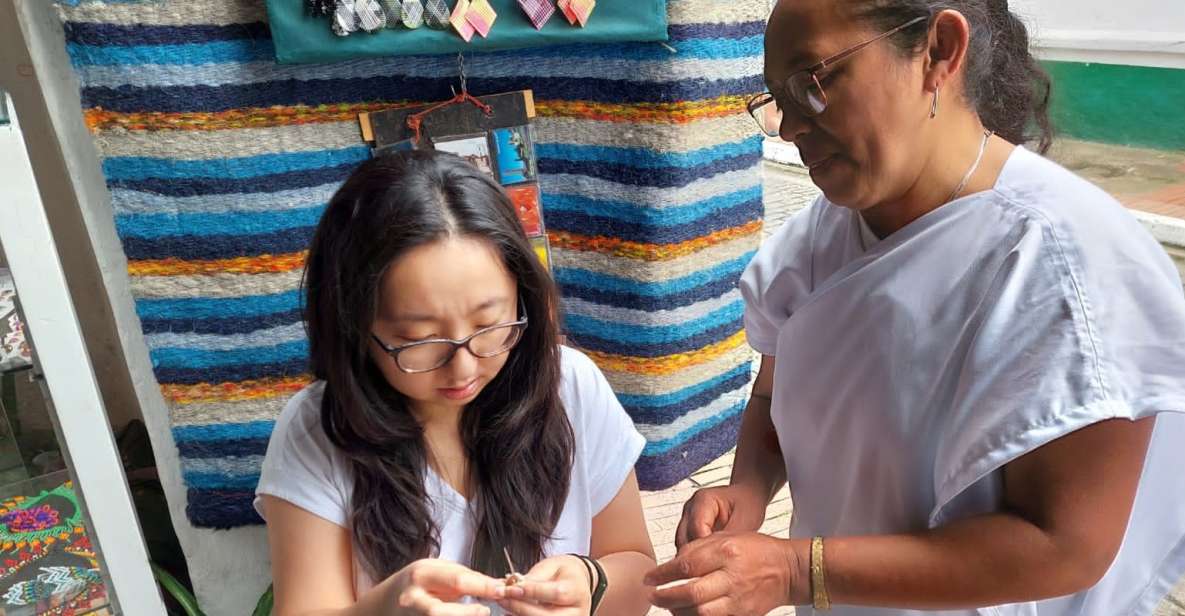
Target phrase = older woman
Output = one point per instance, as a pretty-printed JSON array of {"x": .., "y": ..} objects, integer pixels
[{"x": 974, "y": 361}]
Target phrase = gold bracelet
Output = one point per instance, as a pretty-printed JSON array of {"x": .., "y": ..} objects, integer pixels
[{"x": 819, "y": 597}]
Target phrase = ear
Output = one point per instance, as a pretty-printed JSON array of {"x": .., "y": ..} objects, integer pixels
[{"x": 946, "y": 48}]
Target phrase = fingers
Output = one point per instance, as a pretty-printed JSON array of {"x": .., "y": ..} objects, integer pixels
[
  {"x": 715, "y": 607},
  {"x": 700, "y": 515},
  {"x": 419, "y": 601},
  {"x": 698, "y": 592},
  {"x": 695, "y": 560},
  {"x": 561, "y": 593},
  {"x": 455, "y": 579}
]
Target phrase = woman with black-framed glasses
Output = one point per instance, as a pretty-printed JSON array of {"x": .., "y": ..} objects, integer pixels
[
  {"x": 451, "y": 456},
  {"x": 973, "y": 373}
]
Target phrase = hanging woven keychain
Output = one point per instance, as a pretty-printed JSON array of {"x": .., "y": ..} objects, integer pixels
[{"x": 538, "y": 11}]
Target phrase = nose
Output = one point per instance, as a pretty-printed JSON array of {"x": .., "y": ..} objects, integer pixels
[
  {"x": 794, "y": 124},
  {"x": 462, "y": 364}
]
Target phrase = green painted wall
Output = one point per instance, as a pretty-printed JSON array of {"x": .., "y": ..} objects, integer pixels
[{"x": 1125, "y": 105}]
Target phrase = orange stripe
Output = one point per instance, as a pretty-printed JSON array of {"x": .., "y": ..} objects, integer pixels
[
  {"x": 262, "y": 264},
  {"x": 676, "y": 113},
  {"x": 649, "y": 252},
  {"x": 234, "y": 392},
  {"x": 660, "y": 366},
  {"x": 261, "y": 117}
]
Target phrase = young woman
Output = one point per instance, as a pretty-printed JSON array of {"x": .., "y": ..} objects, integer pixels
[{"x": 447, "y": 430}]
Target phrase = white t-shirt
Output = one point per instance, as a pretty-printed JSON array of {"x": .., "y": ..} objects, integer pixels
[
  {"x": 304, "y": 468},
  {"x": 912, "y": 368}
]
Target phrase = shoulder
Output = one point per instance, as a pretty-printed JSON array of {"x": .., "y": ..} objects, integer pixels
[{"x": 302, "y": 413}]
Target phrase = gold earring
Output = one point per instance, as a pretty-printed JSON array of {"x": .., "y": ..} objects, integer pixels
[{"x": 934, "y": 105}]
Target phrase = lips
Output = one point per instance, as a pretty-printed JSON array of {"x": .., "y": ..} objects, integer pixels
[
  {"x": 459, "y": 393},
  {"x": 814, "y": 163}
]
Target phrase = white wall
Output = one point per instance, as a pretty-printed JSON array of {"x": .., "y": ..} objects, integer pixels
[{"x": 1137, "y": 32}]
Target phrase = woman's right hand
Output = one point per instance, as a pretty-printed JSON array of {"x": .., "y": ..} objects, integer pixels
[
  {"x": 723, "y": 508},
  {"x": 433, "y": 587}
]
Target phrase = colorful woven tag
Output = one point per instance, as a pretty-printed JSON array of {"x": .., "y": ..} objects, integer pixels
[
  {"x": 460, "y": 20},
  {"x": 582, "y": 9},
  {"x": 371, "y": 16},
  {"x": 481, "y": 16},
  {"x": 436, "y": 14},
  {"x": 394, "y": 10},
  {"x": 538, "y": 11},
  {"x": 345, "y": 20},
  {"x": 413, "y": 14},
  {"x": 566, "y": 9}
]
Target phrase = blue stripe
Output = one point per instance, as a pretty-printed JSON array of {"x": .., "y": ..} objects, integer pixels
[
  {"x": 221, "y": 509},
  {"x": 224, "y": 432},
  {"x": 207, "y": 247},
  {"x": 661, "y": 447},
  {"x": 259, "y": 184},
  {"x": 131, "y": 35},
  {"x": 712, "y": 290},
  {"x": 659, "y": 349},
  {"x": 631, "y": 212},
  {"x": 647, "y": 158},
  {"x": 222, "y": 449},
  {"x": 675, "y": 397},
  {"x": 628, "y": 333},
  {"x": 230, "y": 223},
  {"x": 720, "y": 220},
  {"x": 667, "y": 177},
  {"x": 141, "y": 168},
  {"x": 102, "y": 34},
  {"x": 186, "y": 53},
  {"x": 195, "y": 358},
  {"x": 221, "y": 326},
  {"x": 659, "y": 472},
  {"x": 288, "y": 92},
  {"x": 232, "y": 374},
  {"x": 671, "y": 412},
  {"x": 255, "y": 50},
  {"x": 597, "y": 280},
  {"x": 209, "y": 481},
  {"x": 213, "y": 308}
]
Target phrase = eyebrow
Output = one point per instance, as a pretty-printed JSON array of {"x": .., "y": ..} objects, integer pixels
[{"x": 419, "y": 318}]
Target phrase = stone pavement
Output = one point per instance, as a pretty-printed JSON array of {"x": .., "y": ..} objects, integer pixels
[{"x": 788, "y": 189}]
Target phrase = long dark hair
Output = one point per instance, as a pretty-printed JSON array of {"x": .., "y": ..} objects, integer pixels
[
  {"x": 516, "y": 433},
  {"x": 1002, "y": 80}
]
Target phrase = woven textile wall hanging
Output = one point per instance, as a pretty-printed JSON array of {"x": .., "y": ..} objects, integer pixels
[{"x": 219, "y": 162}]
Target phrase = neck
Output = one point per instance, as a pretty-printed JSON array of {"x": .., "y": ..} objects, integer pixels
[{"x": 958, "y": 139}]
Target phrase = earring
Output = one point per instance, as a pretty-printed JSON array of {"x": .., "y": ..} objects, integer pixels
[{"x": 934, "y": 105}]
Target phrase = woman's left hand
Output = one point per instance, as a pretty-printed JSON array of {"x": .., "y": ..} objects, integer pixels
[
  {"x": 556, "y": 586},
  {"x": 730, "y": 573}
]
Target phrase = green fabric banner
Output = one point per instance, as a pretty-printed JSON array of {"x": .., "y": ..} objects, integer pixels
[{"x": 302, "y": 39}]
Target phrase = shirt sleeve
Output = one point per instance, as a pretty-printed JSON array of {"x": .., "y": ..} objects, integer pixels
[
  {"x": 776, "y": 279},
  {"x": 607, "y": 441},
  {"x": 1068, "y": 335},
  {"x": 302, "y": 466}
]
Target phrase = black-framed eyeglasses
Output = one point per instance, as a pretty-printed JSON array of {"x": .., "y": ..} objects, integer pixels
[
  {"x": 428, "y": 355},
  {"x": 803, "y": 87}
]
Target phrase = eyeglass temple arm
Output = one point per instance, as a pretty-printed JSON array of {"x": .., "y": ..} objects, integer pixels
[{"x": 824, "y": 63}]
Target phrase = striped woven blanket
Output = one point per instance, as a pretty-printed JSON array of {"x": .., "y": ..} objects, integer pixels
[{"x": 219, "y": 163}]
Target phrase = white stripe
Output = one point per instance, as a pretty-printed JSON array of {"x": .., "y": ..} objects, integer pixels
[
  {"x": 168, "y": 12},
  {"x": 206, "y": 413},
  {"x": 538, "y": 64},
  {"x": 715, "y": 11},
  {"x": 652, "y": 196},
  {"x": 227, "y": 342},
  {"x": 684, "y": 314},
  {"x": 135, "y": 202},
  {"x": 231, "y": 465},
  {"x": 662, "y": 432},
  {"x": 214, "y": 285},
  {"x": 656, "y": 271},
  {"x": 627, "y": 383},
  {"x": 231, "y": 143},
  {"x": 666, "y": 137}
]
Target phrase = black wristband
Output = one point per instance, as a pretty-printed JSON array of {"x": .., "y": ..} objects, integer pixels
[{"x": 597, "y": 583}]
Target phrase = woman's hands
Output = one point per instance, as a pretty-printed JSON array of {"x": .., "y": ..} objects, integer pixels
[
  {"x": 433, "y": 587},
  {"x": 556, "y": 586}
]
